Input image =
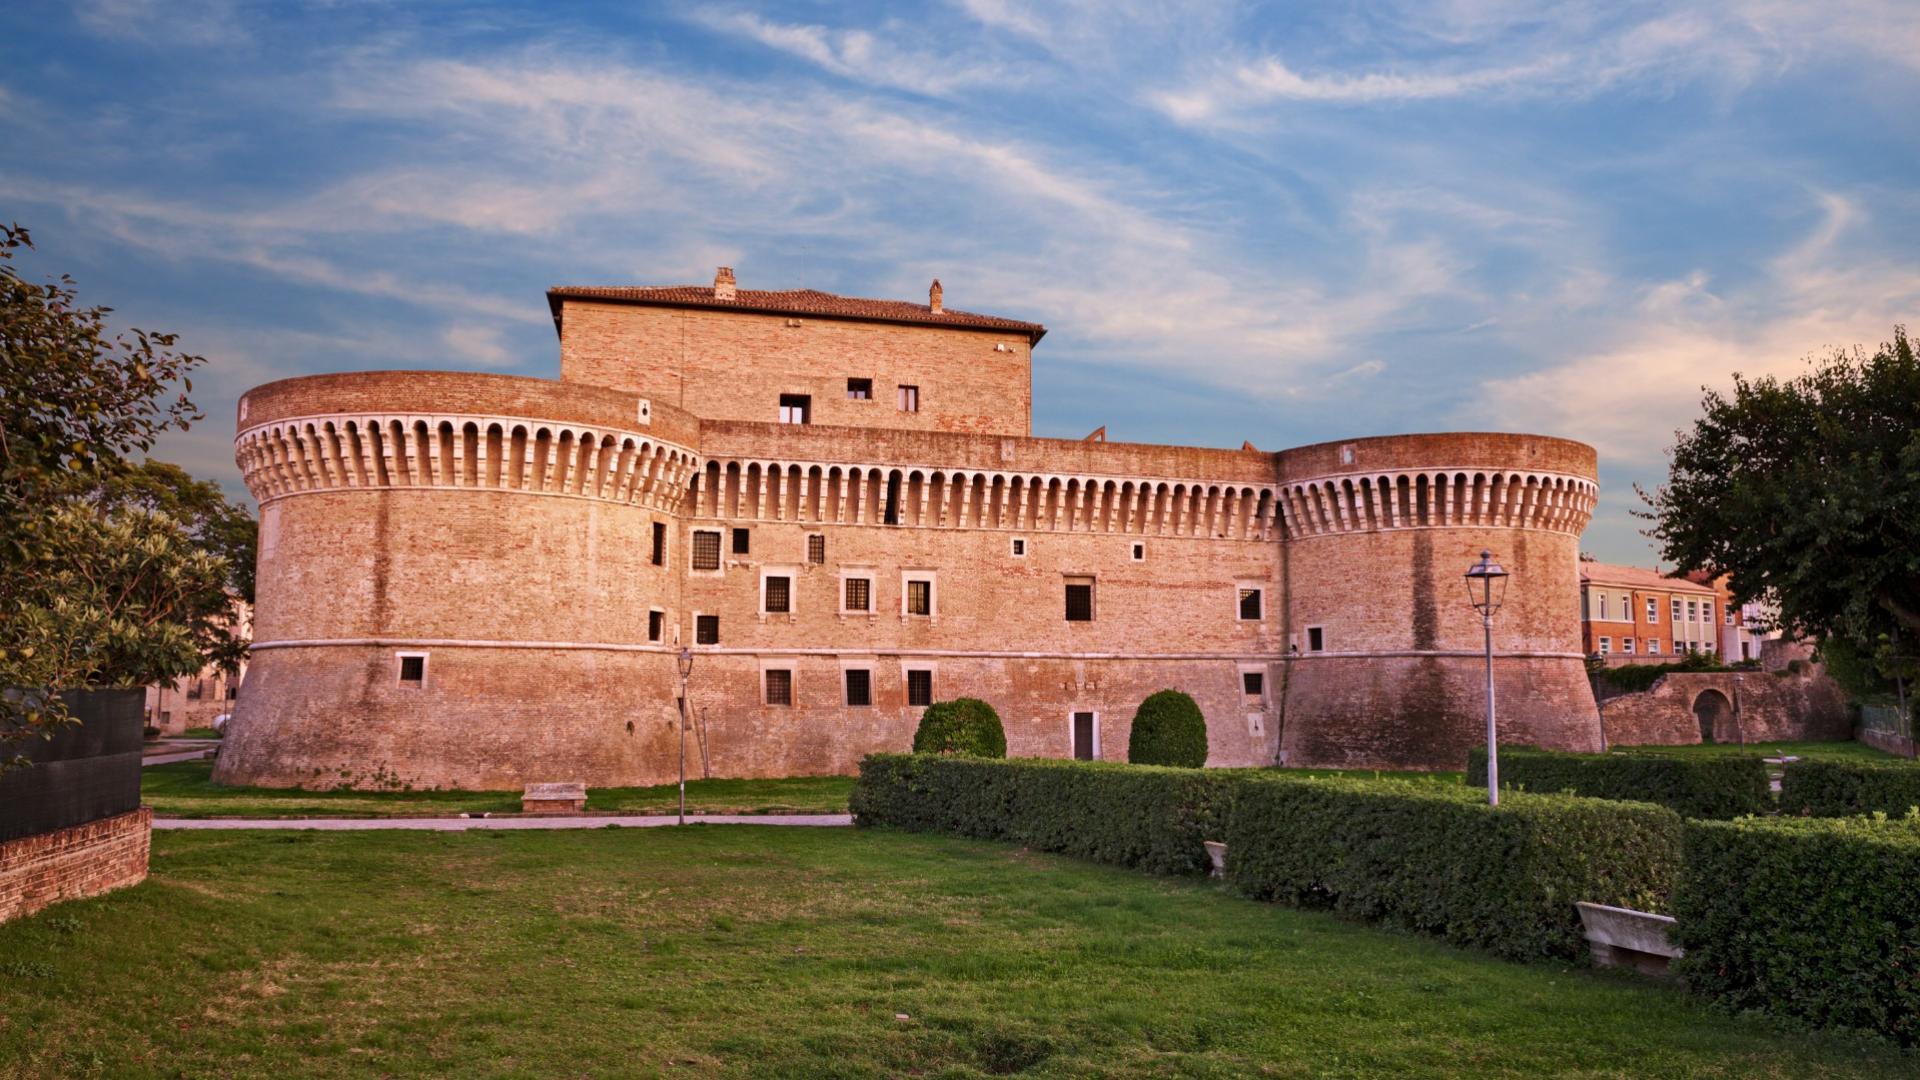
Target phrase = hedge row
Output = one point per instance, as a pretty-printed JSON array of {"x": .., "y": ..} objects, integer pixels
[
  {"x": 1128, "y": 815},
  {"x": 1817, "y": 919},
  {"x": 1828, "y": 788},
  {"x": 1698, "y": 786},
  {"x": 1438, "y": 859}
]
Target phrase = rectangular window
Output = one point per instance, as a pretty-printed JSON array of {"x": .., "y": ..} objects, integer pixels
[
  {"x": 742, "y": 541},
  {"x": 1606, "y": 646},
  {"x": 706, "y": 630},
  {"x": 706, "y": 550},
  {"x": 909, "y": 399},
  {"x": 1676, "y": 609},
  {"x": 779, "y": 595},
  {"x": 779, "y": 686},
  {"x": 1316, "y": 639},
  {"x": 1653, "y": 646},
  {"x": 1653, "y": 610},
  {"x": 232, "y": 691},
  {"x": 1253, "y": 682},
  {"x": 860, "y": 389},
  {"x": 1139, "y": 553},
  {"x": 859, "y": 687},
  {"x": 919, "y": 687},
  {"x": 1019, "y": 547},
  {"x": 859, "y": 594},
  {"x": 1605, "y": 611},
  {"x": 817, "y": 548},
  {"x": 1693, "y": 611},
  {"x": 659, "y": 543},
  {"x": 1626, "y": 645},
  {"x": 1079, "y": 599},
  {"x": 1250, "y": 604},
  {"x": 656, "y": 622},
  {"x": 796, "y": 408},
  {"x": 413, "y": 669},
  {"x": 919, "y": 597},
  {"x": 1729, "y": 613}
]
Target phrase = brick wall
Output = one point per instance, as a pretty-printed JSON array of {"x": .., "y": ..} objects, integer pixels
[
  {"x": 66, "y": 864},
  {"x": 1761, "y": 706}
]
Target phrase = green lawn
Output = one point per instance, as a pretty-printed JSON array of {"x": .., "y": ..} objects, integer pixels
[
  {"x": 1844, "y": 749},
  {"x": 730, "y": 950},
  {"x": 199, "y": 733},
  {"x": 186, "y": 789}
]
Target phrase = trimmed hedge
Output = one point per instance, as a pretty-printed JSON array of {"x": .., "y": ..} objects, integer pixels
[
  {"x": 1128, "y": 815},
  {"x": 1438, "y": 859},
  {"x": 1716, "y": 786},
  {"x": 1817, "y": 919},
  {"x": 961, "y": 726},
  {"x": 1820, "y": 787},
  {"x": 1169, "y": 729}
]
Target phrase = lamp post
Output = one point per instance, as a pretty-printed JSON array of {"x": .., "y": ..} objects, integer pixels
[
  {"x": 1486, "y": 588},
  {"x": 686, "y": 669}
]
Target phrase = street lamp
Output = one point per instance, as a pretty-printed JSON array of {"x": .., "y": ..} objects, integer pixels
[
  {"x": 686, "y": 669},
  {"x": 1486, "y": 588}
]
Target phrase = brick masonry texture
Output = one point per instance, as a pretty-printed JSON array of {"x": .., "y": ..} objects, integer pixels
[
  {"x": 1751, "y": 706},
  {"x": 66, "y": 864},
  {"x": 502, "y": 530}
]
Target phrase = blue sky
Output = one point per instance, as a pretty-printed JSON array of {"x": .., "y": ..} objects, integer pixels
[{"x": 1283, "y": 224}]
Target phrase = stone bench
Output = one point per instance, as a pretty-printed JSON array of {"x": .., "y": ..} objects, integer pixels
[
  {"x": 567, "y": 798},
  {"x": 1623, "y": 937}
]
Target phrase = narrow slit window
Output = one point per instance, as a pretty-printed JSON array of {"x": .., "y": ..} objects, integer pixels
[
  {"x": 779, "y": 595},
  {"x": 919, "y": 687},
  {"x": 706, "y": 630},
  {"x": 656, "y": 622},
  {"x": 817, "y": 548},
  {"x": 1079, "y": 599},
  {"x": 659, "y": 543},
  {"x": 706, "y": 550},
  {"x": 779, "y": 687},
  {"x": 859, "y": 687}
]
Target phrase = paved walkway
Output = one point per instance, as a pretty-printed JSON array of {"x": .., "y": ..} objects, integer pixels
[
  {"x": 464, "y": 824},
  {"x": 168, "y": 759}
]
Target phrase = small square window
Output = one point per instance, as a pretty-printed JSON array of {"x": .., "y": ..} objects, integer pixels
[
  {"x": 1079, "y": 599},
  {"x": 706, "y": 550},
  {"x": 1626, "y": 645},
  {"x": 779, "y": 687},
  {"x": 1653, "y": 645},
  {"x": 796, "y": 408},
  {"x": 919, "y": 687},
  {"x": 1253, "y": 682},
  {"x": 659, "y": 543},
  {"x": 1316, "y": 639},
  {"x": 656, "y": 622},
  {"x": 1139, "y": 552},
  {"x": 1019, "y": 547},
  {"x": 742, "y": 541},
  {"x": 413, "y": 669},
  {"x": 817, "y": 548},
  {"x": 1250, "y": 604},
  {"x": 859, "y": 389},
  {"x": 779, "y": 595},
  {"x": 859, "y": 687},
  {"x": 706, "y": 630},
  {"x": 859, "y": 594},
  {"x": 919, "y": 597},
  {"x": 909, "y": 399}
]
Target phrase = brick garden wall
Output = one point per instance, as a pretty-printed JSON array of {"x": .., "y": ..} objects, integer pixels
[
  {"x": 66, "y": 864},
  {"x": 1764, "y": 706}
]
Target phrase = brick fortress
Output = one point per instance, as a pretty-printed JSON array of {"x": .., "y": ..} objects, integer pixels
[{"x": 478, "y": 581}]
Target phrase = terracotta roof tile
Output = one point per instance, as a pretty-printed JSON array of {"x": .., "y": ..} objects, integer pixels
[
  {"x": 1635, "y": 577},
  {"x": 790, "y": 302}
]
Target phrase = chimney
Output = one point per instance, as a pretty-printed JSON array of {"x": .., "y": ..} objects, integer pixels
[
  {"x": 723, "y": 284},
  {"x": 933, "y": 297}
]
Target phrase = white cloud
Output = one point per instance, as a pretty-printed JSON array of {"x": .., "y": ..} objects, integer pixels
[{"x": 863, "y": 56}]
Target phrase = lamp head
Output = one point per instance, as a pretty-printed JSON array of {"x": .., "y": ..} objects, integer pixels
[{"x": 1486, "y": 584}]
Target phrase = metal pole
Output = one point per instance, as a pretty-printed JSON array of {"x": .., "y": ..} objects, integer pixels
[
  {"x": 683, "y": 742},
  {"x": 1493, "y": 736}
]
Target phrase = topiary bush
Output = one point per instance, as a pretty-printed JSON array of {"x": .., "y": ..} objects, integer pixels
[
  {"x": 1169, "y": 729},
  {"x": 1695, "y": 786},
  {"x": 1818, "y": 787},
  {"x": 966, "y": 726},
  {"x": 1437, "y": 859},
  {"x": 1815, "y": 919}
]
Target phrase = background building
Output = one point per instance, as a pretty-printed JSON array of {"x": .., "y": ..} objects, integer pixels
[{"x": 1631, "y": 615}]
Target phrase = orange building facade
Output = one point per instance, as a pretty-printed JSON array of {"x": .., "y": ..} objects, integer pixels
[{"x": 1632, "y": 615}]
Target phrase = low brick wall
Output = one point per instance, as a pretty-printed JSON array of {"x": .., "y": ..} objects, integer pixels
[
  {"x": 77, "y": 861},
  {"x": 1757, "y": 706}
]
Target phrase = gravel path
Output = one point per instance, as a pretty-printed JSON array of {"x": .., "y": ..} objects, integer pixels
[
  {"x": 168, "y": 759},
  {"x": 455, "y": 824}
]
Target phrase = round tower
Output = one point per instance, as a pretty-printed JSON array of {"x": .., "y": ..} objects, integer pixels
[{"x": 1385, "y": 661}]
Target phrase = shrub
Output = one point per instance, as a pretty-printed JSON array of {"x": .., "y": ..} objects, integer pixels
[
  {"x": 1168, "y": 730},
  {"x": 1128, "y": 815},
  {"x": 1821, "y": 787},
  {"x": 1638, "y": 677},
  {"x": 1437, "y": 859},
  {"x": 965, "y": 725},
  {"x": 1696, "y": 786},
  {"x": 1813, "y": 919}
]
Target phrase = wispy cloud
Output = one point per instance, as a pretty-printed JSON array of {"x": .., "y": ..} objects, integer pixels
[{"x": 864, "y": 56}]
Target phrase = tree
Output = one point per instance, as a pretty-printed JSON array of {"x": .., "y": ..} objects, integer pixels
[
  {"x": 1169, "y": 729},
  {"x": 95, "y": 588},
  {"x": 1807, "y": 492},
  {"x": 214, "y": 523},
  {"x": 965, "y": 726}
]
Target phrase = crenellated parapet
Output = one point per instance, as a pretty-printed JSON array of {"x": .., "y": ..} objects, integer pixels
[
  {"x": 346, "y": 451},
  {"x": 1438, "y": 498}
]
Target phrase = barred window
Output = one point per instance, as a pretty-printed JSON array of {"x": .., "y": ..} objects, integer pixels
[
  {"x": 919, "y": 687},
  {"x": 779, "y": 595},
  {"x": 1079, "y": 599},
  {"x": 779, "y": 687},
  {"x": 1253, "y": 682},
  {"x": 1250, "y": 603},
  {"x": 817, "y": 548},
  {"x": 920, "y": 597},
  {"x": 706, "y": 550},
  {"x": 706, "y": 630},
  {"x": 859, "y": 594},
  {"x": 859, "y": 686}
]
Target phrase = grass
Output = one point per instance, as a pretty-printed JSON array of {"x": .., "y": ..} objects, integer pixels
[
  {"x": 741, "y": 951},
  {"x": 199, "y": 733},
  {"x": 186, "y": 789},
  {"x": 1841, "y": 749}
]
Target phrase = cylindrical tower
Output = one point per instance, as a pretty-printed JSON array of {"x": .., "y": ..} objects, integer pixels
[
  {"x": 457, "y": 581},
  {"x": 1384, "y": 661}
]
